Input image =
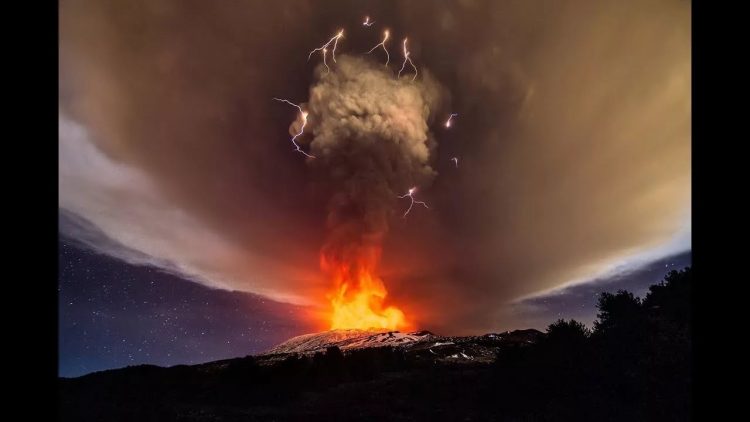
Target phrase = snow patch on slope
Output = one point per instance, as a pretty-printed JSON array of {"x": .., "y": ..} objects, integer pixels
[{"x": 347, "y": 339}]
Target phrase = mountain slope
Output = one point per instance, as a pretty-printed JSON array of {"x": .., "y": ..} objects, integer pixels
[
  {"x": 420, "y": 345},
  {"x": 347, "y": 340}
]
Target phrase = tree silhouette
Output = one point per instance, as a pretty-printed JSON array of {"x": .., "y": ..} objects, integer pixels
[
  {"x": 671, "y": 298},
  {"x": 570, "y": 332},
  {"x": 617, "y": 311}
]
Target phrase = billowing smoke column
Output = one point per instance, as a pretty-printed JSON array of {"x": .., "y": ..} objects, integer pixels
[{"x": 371, "y": 143}]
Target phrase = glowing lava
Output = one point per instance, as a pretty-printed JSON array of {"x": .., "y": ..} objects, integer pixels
[{"x": 357, "y": 301}]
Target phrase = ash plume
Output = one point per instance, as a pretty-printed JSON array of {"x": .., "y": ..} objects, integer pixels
[
  {"x": 371, "y": 140},
  {"x": 574, "y": 144}
]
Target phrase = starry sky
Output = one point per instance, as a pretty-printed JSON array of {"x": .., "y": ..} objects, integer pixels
[
  {"x": 184, "y": 210},
  {"x": 579, "y": 302},
  {"x": 113, "y": 314}
]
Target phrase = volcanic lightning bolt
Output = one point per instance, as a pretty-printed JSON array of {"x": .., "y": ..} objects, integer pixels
[
  {"x": 448, "y": 122},
  {"x": 303, "y": 114},
  {"x": 367, "y": 21},
  {"x": 455, "y": 160},
  {"x": 325, "y": 53},
  {"x": 382, "y": 44},
  {"x": 410, "y": 195},
  {"x": 407, "y": 59},
  {"x": 324, "y": 47}
]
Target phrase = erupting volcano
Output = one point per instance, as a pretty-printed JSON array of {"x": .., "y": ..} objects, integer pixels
[
  {"x": 358, "y": 301},
  {"x": 370, "y": 143}
]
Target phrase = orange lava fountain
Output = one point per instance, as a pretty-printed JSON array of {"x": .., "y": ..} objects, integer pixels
[{"x": 357, "y": 301}]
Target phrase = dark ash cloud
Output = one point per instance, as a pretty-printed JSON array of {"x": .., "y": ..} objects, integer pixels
[{"x": 573, "y": 137}]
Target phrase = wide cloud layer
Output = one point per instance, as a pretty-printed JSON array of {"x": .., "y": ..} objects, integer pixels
[{"x": 573, "y": 136}]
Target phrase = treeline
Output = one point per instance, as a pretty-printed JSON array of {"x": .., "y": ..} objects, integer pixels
[
  {"x": 634, "y": 365},
  {"x": 297, "y": 373},
  {"x": 148, "y": 392}
]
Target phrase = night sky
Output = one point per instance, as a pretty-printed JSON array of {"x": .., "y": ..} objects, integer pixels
[
  {"x": 113, "y": 314},
  {"x": 579, "y": 302},
  {"x": 192, "y": 230}
]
